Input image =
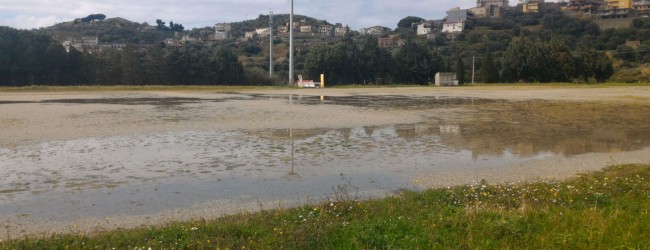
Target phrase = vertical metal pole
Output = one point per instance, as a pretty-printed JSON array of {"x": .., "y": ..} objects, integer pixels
[
  {"x": 271, "y": 44},
  {"x": 291, "y": 46}
]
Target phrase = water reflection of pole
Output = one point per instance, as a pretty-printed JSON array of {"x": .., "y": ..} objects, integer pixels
[
  {"x": 292, "y": 151},
  {"x": 475, "y": 171}
]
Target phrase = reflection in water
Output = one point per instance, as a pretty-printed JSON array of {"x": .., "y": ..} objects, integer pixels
[
  {"x": 524, "y": 128},
  {"x": 292, "y": 174}
]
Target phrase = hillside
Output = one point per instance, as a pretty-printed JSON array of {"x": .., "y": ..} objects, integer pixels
[
  {"x": 120, "y": 30},
  {"x": 239, "y": 28},
  {"x": 111, "y": 30},
  {"x": 488, "y": 50}
]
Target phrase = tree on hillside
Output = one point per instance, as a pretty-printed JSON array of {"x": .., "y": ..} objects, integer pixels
[
  {"x": 330, "y": 60},
  {"x": 93, "y": 17},
  {"x": 563, "y": 63},
  {"x": 27, "y": 58},
  {"x": 154, "y": 65},
  {"x": 594, "y": 64},
  {"x": 176, "y": 27},
  {"x": 414, "y": 63},
  {"x": 408, "y": 21},
  {"x": 73, "y": 71},
  {"x": 228, "y": 68},
  {"x": 54, "y": 61},
  {"x": 460, "y": 70},
  {"x": 131, "y": 66},
  {"x": 160, "y": 25},
  {"x": 527, "y": 60},
  {"x": 377, "y": 62},
  {"x": 315, "y": 63},
  {"x": 536, "y": 61},
  {"x": 489, "y": 71}
]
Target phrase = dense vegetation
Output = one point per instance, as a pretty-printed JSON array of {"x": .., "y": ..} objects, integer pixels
[
  {"x": 517, "y": 47},
  {"x": 603, "y": 210},
  {"x": 544, "y": 47},
  {"x": 29, "y": 59}
]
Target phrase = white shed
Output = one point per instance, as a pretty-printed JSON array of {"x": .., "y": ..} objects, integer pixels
[{"x": 446, "y": 79}]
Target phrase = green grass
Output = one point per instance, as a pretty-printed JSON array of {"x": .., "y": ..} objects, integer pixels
[{"x": 603, "y": 210}]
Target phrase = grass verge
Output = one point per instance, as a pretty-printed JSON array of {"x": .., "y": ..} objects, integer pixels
[{"x": 602, "y": 210}]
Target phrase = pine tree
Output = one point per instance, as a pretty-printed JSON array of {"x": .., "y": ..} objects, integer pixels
[
  {"x": 460, "y": 70},
  {"x": 489, "y": 72}
]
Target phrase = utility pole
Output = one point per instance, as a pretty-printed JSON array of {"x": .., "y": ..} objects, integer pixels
[
  {"x": 291, "y": 46},
  {"x": 271, "y": 44}
]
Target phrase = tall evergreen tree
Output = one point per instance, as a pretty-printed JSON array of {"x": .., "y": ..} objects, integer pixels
[
  {"x": 460, "y": 70},
  {"x": 131, "y": 64},
  {"x": 154, "y": 66},
  {"x": 489, "y": 71}
]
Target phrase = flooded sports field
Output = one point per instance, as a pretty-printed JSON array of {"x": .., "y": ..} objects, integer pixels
[{"x": 89, "y": 161}]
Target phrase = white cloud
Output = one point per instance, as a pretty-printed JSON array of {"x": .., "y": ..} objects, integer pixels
[{"x": 29, "y": 22}]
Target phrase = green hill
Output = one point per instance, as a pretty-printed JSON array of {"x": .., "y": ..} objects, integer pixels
[{"x": 111, "y": 30}]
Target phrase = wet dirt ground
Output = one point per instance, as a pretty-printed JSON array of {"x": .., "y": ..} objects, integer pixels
[{"x": 85, "y": 162}]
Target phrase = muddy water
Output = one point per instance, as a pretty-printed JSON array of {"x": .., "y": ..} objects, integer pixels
[{"x": 149, "y": 173}]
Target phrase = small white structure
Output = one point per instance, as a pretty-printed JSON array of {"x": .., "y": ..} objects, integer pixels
[
  {"x": 453, "y": 26},
  {"x": 341, "y": 31},
  {"x": 424, "y": 28},
  {"x": 306, "y": 29},
  {"x": 222, "y": 31},
  {"x": 446, "y": 79},
  {"x": 263, "y": 32},
  {"x": 306, "y": 83},
  {"x": 90, "y": 41}
]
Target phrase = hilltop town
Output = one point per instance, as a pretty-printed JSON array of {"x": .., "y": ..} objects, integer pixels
[{"x": 607, "y": 13}]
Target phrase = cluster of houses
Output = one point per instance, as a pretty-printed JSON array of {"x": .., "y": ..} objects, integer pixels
[
  {"x": 90, "y": 44},
  {"x": 609, "y": 8},
  {"x": 456, "y": 18},
  {"x": 303, "y": 29}
]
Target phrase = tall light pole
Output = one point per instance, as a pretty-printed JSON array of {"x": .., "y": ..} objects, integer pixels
[
  {"x": 271, "y": 44},
  {"x": 291, "y": 46}
]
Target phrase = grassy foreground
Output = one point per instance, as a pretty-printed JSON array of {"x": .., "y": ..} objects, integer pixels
[{"x": 603, "y": 210}]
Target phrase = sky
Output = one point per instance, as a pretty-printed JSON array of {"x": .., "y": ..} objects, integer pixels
[{"x": 29, "y": 14}]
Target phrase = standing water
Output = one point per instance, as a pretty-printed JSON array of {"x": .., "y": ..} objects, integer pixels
[{"x": 456, "y": 140}]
